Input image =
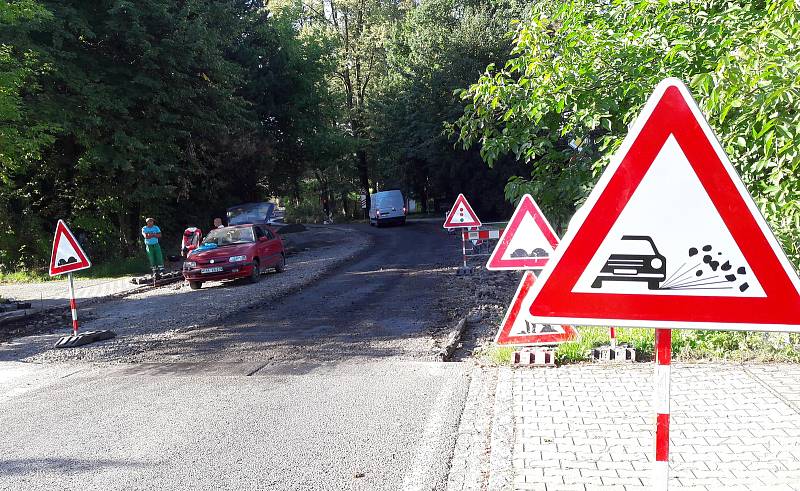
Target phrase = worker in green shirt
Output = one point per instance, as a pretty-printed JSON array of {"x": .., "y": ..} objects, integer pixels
[{"x": 151, "y": 234}]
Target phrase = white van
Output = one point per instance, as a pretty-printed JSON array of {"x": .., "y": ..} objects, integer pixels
[{"x": 387, "y": 207}]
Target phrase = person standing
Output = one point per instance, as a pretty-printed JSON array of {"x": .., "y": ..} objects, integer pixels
[
  {"x": 218, "y": 223},
  {"x": 151, "y": 234}
]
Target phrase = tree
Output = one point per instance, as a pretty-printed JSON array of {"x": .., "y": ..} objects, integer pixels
[
  {"x": 440, "y": 46},
  {"x": 581, "y": 71}
]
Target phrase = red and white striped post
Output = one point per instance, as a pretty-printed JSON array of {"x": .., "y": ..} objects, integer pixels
[
  {"x": 464, "y": 246},
  {"x": 73, "y": 306},
  {"x": 613, "y": 335},
  {"x": 661, "y": 405}
]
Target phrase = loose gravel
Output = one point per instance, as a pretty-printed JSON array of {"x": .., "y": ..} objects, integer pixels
[{"x": 147, "y": 320}]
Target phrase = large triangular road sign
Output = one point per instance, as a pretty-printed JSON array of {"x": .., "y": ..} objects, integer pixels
[
  {"x": 527, "y": 242},
  {"x": 67, "y": 254},
  {"x": 461, "y": 215},
  {"x": 671, "y": 238},
  {"x": 519, "y": 329}
]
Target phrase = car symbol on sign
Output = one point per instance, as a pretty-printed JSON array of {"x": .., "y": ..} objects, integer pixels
[{"x": 642, "y": 262}]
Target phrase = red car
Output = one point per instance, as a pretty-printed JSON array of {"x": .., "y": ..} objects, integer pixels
[{"x": 240, "y": 251}]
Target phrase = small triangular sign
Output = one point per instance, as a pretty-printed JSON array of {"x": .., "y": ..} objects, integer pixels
[
  {"x": 461, "y": 215},
  {"x": 67, "y": 254},
  {"x": 518, "y": 329},
  {"x": 527, "y": 242},
  {"x": 670, "y": 238}
]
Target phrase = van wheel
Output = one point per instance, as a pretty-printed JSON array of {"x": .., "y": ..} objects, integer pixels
[
  {"x": 255, "y": 274},
  {"x": 377, "y": 224},
  {"x": 281, "y": 266},
  {"x": 195, "y": 285}
]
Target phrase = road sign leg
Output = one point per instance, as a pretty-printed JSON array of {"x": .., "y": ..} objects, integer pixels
[
  {"x": 464, "y": 249},
  {"x": 73, "y": 306},
  {"x": 663, "y": 353},
  {"x": 613, "y": 335}
]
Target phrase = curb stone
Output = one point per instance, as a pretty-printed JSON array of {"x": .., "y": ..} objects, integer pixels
[{"x": 501, "y": 474}]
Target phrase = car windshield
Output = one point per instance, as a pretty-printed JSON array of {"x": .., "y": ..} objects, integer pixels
[
  {"x": 250, "y": 213},
  {"x": 636, "y": 246},
  {"x": 229, "y": 236}
]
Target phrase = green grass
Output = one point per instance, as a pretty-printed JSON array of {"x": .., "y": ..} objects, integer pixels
[
  {"x": 136, "y": 265},
  {"x": 687, "y": 345}
]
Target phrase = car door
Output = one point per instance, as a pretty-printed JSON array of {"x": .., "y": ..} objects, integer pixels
[
  {"x": 261, "y": 245},
  {"x": 273, "y": 247}
]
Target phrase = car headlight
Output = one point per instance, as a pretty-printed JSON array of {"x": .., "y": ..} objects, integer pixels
[
  {"x": 236, "y": 259},
  {"x": 189, "y": 264},
  {"x": 656, "y": 263}
]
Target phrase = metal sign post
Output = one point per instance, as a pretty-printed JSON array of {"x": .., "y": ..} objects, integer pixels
[
  {"x": 68, "y": 257},
  {"x": 663, "y": 351},
  {"x": 669, "y": 239},
  {"x": 73, "y": 306}
]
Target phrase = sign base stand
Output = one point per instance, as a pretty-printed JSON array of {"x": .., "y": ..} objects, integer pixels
[{"x": 84, "y": 338}]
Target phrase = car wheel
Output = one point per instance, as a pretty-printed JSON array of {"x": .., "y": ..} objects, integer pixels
[
  {"x": 195, "y": 285},
  {"x": 281, "y": 266},
  {"x": 255, "y": 274},
  {"x": 652, "y": 285}
]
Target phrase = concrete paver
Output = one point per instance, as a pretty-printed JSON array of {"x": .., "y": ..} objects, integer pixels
[{"x": 591, "y": 427}]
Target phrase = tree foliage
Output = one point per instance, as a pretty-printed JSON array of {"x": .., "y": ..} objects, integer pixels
[
  {"x": 441, "y": 46},
  {"x": 113, "y": 110},
  {"x": 581, "y": 71}
]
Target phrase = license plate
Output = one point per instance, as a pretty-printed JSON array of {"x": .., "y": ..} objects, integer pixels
[{"x": 218, "y": 269}]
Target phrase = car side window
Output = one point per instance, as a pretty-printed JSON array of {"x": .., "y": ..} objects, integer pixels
[
  {"x": 259, "y": 232},
  {"x": 270, "y": 235}
]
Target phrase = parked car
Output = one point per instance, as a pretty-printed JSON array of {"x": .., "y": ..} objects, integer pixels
[
  {"x": 640, "y": 261},
  {"x": 239, "y": 251},
  {"x": 387, "y": 207},
  {"x": 253, "y": 213}
]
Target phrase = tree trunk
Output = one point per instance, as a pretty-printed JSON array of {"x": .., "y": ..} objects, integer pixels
[{"x": 363, "y": 174}]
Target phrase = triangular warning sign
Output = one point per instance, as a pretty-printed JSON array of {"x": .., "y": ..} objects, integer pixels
[
  {"x": 527, "y": 242},
  {"x": 519, "y": 329},
  {"x": 67, "y": 254},
  {"x": 671, "y": 238},
  {"x": 461, "y": 215}
]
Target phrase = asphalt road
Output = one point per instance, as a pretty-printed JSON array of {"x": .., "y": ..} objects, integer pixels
[{"x": 331, "y": 387}]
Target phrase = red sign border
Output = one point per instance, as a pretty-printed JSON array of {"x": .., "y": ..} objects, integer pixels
[
  {"x": 463, "y": 200},
  {"x": 670, "y": 110},
  {"x": 504, "y": 338},
  {"x": 526, "y": 206},
  {"x": 83, "y": 260}
]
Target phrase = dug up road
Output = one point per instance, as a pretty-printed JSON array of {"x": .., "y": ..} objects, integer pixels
[{"x": 297, "y": 382}]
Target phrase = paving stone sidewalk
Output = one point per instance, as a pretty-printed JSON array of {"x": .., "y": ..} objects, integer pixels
[{"x": 733, "y": 427}]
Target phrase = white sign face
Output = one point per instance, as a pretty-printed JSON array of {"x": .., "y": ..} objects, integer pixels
[
  {"x": 519, "y": 329},
  {"x": 527, "y": 242},
  {"x": 461, "y": 215},
  {"x": 669, "y": 239},
  {"x": 67, "y": 255}
]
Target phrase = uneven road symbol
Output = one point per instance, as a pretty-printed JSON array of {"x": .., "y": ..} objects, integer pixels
[
  {"x": 67, "y": 255},
  {"x": 527, "y": 242}
]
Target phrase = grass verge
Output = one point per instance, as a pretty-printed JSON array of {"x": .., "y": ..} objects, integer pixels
[
  {"x": 136, "y": 265},
  {"x": 687, "y": 345}
]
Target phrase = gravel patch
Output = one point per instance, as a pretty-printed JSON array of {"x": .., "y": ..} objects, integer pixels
[
  {"x": 147, "y": 320},
  {"x": 483, "y": 297}
]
